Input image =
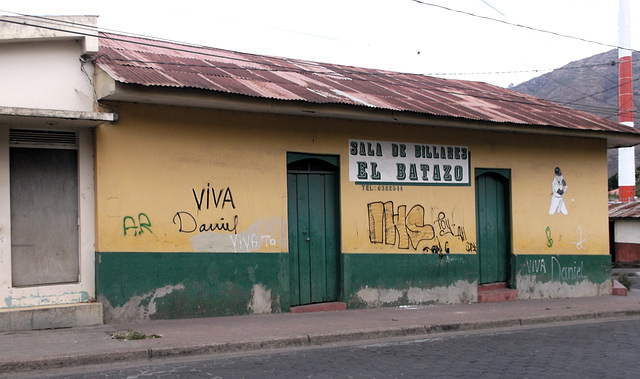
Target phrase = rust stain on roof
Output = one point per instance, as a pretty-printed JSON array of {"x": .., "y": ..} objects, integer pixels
[{"x": 147, "y": 62}]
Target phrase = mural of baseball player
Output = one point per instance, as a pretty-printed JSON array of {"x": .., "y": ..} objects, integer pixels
[{"x": 559, "y": 188}]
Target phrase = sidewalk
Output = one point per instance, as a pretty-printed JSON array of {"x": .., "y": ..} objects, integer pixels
[{"x": 32, "y": 350}]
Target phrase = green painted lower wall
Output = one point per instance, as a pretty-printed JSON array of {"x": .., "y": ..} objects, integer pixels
[
  {"x": 373, "y": 280},
  {"x": 557, "y": 276},
  {"x": 138, "y": 286},
  {"x": 135, "y": 286}
]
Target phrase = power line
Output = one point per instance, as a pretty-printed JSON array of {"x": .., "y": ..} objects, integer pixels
[
  {"x": 91, "y": 28},
  {"x": 492, "y": 7},
  {"x": 94, "y": 28},
  {"x": 185, "y": 49},
  {"x": 272, "y": 66},
  {"x": 189, "y": 49},
  {"x": 523, "y": 26},
  {"x": 519, "y": 71},
  {"x": 529, "y": 28},
  {"x": 597, "y": 93}
]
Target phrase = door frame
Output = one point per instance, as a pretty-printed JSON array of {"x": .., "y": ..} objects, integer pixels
[
  {"x": 83, "y": 289},
  {"x": 294, "y": 240},
  {"x": 505, "y": 174}
]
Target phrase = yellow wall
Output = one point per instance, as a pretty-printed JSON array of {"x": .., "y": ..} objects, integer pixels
[
  {"x": 150, "y": 163},
  {"x": 532, "y": 161}
]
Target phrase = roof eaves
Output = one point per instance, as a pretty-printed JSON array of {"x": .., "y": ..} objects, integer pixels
[{"x": 194, "y": 97}]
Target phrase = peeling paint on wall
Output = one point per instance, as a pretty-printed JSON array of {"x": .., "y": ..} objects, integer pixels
[
  {"x": 562, "y": 276},
  {"x": 268, "y": 234},
  {"x": 376, "y": 297},
  {"x": 459, "y": 292},
  {"x": 260, "y": 300},
  {"x": 138, "y": 307},
  {"x": 530, "y": 287}
]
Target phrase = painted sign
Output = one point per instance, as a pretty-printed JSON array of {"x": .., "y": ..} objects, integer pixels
[{"x": 408, "y": 163}]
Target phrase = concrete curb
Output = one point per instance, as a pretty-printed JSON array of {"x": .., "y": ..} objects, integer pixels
[
  {"x": 316, "y": 339},
  {"x": 617, "y": 314},
  {"x": 75, "y": 360}
]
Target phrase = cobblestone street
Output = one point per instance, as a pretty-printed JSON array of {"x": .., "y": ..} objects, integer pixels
[{"x": 592, "y": 349}]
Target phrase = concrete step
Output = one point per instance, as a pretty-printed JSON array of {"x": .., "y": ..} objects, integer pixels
[
  {"x": 492, "y": 286},
  {"x": 618, "y": 289},
  {"x": 320, "y": 307},
  {"x": 50, "y": 317},
  {"x": 496, "y": 292}
]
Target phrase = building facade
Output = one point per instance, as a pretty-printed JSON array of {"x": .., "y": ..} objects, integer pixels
[
  {"x": 217, "y": 214},
  {"x": 217, "y": 183},
  {"x": 236, "y": 184},
  {"x": 47, "y": 221},
  {"x": 624, "y": 229}
]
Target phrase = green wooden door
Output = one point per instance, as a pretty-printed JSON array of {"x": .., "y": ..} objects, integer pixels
[
  {"x": 493, "y": 223},
  {"x": 313, "y": 229}
]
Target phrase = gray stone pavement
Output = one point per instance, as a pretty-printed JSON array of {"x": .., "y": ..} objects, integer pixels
[{"x": 42, "y": 349}]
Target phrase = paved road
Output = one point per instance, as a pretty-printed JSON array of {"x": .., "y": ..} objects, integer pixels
[{"x": 587, "y": 350}]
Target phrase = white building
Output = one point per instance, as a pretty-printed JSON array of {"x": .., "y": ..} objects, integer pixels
[{"x": 47, "y": 232}]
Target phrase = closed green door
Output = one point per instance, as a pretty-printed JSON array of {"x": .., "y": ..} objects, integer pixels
[
  {"x": 493, "y": 223},
  {"x": 313, "y": 229}
]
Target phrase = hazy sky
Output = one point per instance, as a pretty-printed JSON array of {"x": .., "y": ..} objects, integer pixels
[{"x": 397, "y": 35}]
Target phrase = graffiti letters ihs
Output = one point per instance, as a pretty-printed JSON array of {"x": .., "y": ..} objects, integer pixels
[{"x": 408, "y": 229}]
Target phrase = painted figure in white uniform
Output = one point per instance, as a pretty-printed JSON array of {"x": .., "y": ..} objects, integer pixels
[{"x": 559, "y": 186}]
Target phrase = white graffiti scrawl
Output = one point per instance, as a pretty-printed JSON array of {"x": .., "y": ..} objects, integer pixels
[{"x": 263, "y": 234}]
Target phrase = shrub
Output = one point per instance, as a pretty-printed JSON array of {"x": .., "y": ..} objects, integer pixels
[{"x": 626, "y": 280}]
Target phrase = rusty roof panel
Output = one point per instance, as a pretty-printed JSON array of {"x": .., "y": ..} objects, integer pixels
[
  {"x": 148, "y": 62},
  {"x": 624, "y": 210}
]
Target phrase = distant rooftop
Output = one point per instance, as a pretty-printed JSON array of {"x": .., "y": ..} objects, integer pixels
[{"x": 624, "y": 209}]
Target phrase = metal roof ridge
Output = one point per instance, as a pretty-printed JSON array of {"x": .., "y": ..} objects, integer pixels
[{"x": 364, "y": 87}]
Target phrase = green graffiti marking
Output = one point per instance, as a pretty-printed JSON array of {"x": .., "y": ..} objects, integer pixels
[
  {"x": 129, "y": 222},
  {"x": 549, "y": 239}
]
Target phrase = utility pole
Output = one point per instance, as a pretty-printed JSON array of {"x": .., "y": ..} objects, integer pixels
[{"x": 626, "y": 155}]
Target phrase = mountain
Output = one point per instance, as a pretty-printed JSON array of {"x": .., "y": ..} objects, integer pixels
[{"x": 590, "y": 85}]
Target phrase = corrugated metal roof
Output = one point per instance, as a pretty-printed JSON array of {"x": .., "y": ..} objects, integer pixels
[
  {"x": 147, "y": 62},
  {"x": 624, "y": 210}
]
